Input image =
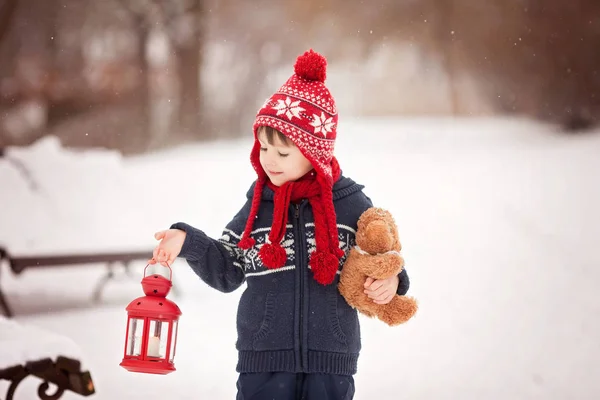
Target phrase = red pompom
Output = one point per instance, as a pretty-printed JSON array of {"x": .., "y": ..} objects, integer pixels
[
  {"x": 324, "y": 267},
  {"x": 246, "y": 243},
  {"x": 311, "y": 66},
  {"x": 272, "y": 255}
]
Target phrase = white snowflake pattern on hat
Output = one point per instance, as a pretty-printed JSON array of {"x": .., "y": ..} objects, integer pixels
[
  {"x": 288, "y": 107},
  {"x": 322, "y": 124}
]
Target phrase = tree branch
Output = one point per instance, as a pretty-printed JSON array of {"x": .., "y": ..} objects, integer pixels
[
  {"x": 192, "y": 7},
  {"x": 138, "y": 18},
  {"x": 169, "y": 16}
]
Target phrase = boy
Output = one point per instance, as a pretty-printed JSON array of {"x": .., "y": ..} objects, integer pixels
[{"x": 297, "y": 336}]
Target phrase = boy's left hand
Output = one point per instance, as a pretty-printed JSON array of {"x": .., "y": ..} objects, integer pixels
[{"x": 382, "y": 291}]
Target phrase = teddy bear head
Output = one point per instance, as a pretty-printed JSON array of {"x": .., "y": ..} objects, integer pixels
[{"x": 377, "y": 232}]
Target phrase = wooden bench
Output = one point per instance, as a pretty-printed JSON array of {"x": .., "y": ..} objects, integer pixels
[
  {"x": 19, "y": 264},
  {"x": 64, "y": 373}
]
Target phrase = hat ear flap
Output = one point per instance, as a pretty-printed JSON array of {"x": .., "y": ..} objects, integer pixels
[{"x": 246, "y": 241}]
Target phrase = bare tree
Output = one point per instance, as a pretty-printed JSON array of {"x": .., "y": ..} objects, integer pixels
[
  {"x": 533, "y": 57},
  {"x": 186, "y": 25},
  {"x": 7, "y": 11},
  {"x": 137, "y": 12}
]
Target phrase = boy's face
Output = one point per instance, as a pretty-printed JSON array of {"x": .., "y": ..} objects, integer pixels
[{"x": 282, "y": 162}]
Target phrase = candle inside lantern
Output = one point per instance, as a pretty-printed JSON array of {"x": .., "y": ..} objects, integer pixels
[{"x": 153, "y": 346}]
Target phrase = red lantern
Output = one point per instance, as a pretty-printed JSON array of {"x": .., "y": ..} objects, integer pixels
[{"x": 152, "y": 322}]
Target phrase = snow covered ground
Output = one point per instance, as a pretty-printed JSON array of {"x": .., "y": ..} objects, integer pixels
[{"x": 499, "y": 220}]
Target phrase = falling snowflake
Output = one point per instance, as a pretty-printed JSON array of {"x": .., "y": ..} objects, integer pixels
[
  {"x": 322, "y": 124},
  {"x": 289, "y": 108}
]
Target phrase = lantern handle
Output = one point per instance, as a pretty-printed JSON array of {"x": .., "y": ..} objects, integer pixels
[{"x": 168, "y": 266}]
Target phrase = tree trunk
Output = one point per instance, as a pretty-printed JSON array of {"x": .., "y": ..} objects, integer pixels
[
  {"x": 189, "y": 61},
  {"x": 7, "y": 53},
  {"x": 142, "y": 112},
  {"x": 445, "y": 34},
  {"x": 189, "y": 119},
  {"x": 7, "y": 12}
]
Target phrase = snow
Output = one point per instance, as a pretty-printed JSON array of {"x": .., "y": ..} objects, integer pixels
[
  {"x": 41, "y": 344},
  {"x": 498, "y": 219}
]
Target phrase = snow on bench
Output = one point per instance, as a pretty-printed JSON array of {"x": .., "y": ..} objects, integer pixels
[
  {"x": 31, "y": 351},
  {"x": 19, "y": 344},
  {"x": 70, "y": 208}
]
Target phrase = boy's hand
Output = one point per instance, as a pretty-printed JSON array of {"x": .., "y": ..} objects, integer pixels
[
  {"x": 171, "y": 242},
  {"x": 382, "y": 291}
]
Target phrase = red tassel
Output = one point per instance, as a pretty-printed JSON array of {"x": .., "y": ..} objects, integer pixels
[
  {"x": 324, "y": 267},
  {"x": 272, "y": 255},
  {"x": 246, "y": 243}
]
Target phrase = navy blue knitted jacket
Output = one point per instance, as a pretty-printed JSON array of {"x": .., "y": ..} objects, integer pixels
[{"x": 286, "y": 321}]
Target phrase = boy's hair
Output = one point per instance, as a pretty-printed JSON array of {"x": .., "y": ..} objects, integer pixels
[{"x": 270, "y": 133}]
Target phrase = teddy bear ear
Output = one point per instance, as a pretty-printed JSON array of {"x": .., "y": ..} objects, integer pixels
[
  {"x": 381, "y": 212},
  {"x": 367, "y": 216},
  {"x": 385, "y": 214}
]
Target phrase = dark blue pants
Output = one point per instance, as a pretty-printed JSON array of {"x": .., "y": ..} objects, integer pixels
[{"x": 290, "y": 386}]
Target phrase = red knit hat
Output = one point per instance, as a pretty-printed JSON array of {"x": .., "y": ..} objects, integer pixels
[{"x": 305, "y": 112}]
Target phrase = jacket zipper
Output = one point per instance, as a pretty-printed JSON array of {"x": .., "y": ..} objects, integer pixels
[{"x": 301, "y": 275}]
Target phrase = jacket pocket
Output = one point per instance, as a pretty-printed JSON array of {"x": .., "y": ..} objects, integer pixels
[
  {"x": 249, "y": 318},
  {"x": 266, "y": 322},
  {"x": 334, "y": 325},
  {"x": 345, "y": 323}
]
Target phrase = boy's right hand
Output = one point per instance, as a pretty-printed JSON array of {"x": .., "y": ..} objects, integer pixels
[{"x": 171, "y": 242}]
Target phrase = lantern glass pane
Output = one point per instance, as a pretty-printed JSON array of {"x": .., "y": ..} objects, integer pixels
[
  {"x": 158, "y": 335},
  {"x": 134, "y": 340},
  {"x": 173, "y": 340}
]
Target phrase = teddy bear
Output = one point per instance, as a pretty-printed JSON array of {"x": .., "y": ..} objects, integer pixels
[{"x": 376, "y": 255}]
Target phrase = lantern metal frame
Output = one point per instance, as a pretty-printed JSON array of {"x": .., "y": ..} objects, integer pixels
[{"x": 154, "y": 306}]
